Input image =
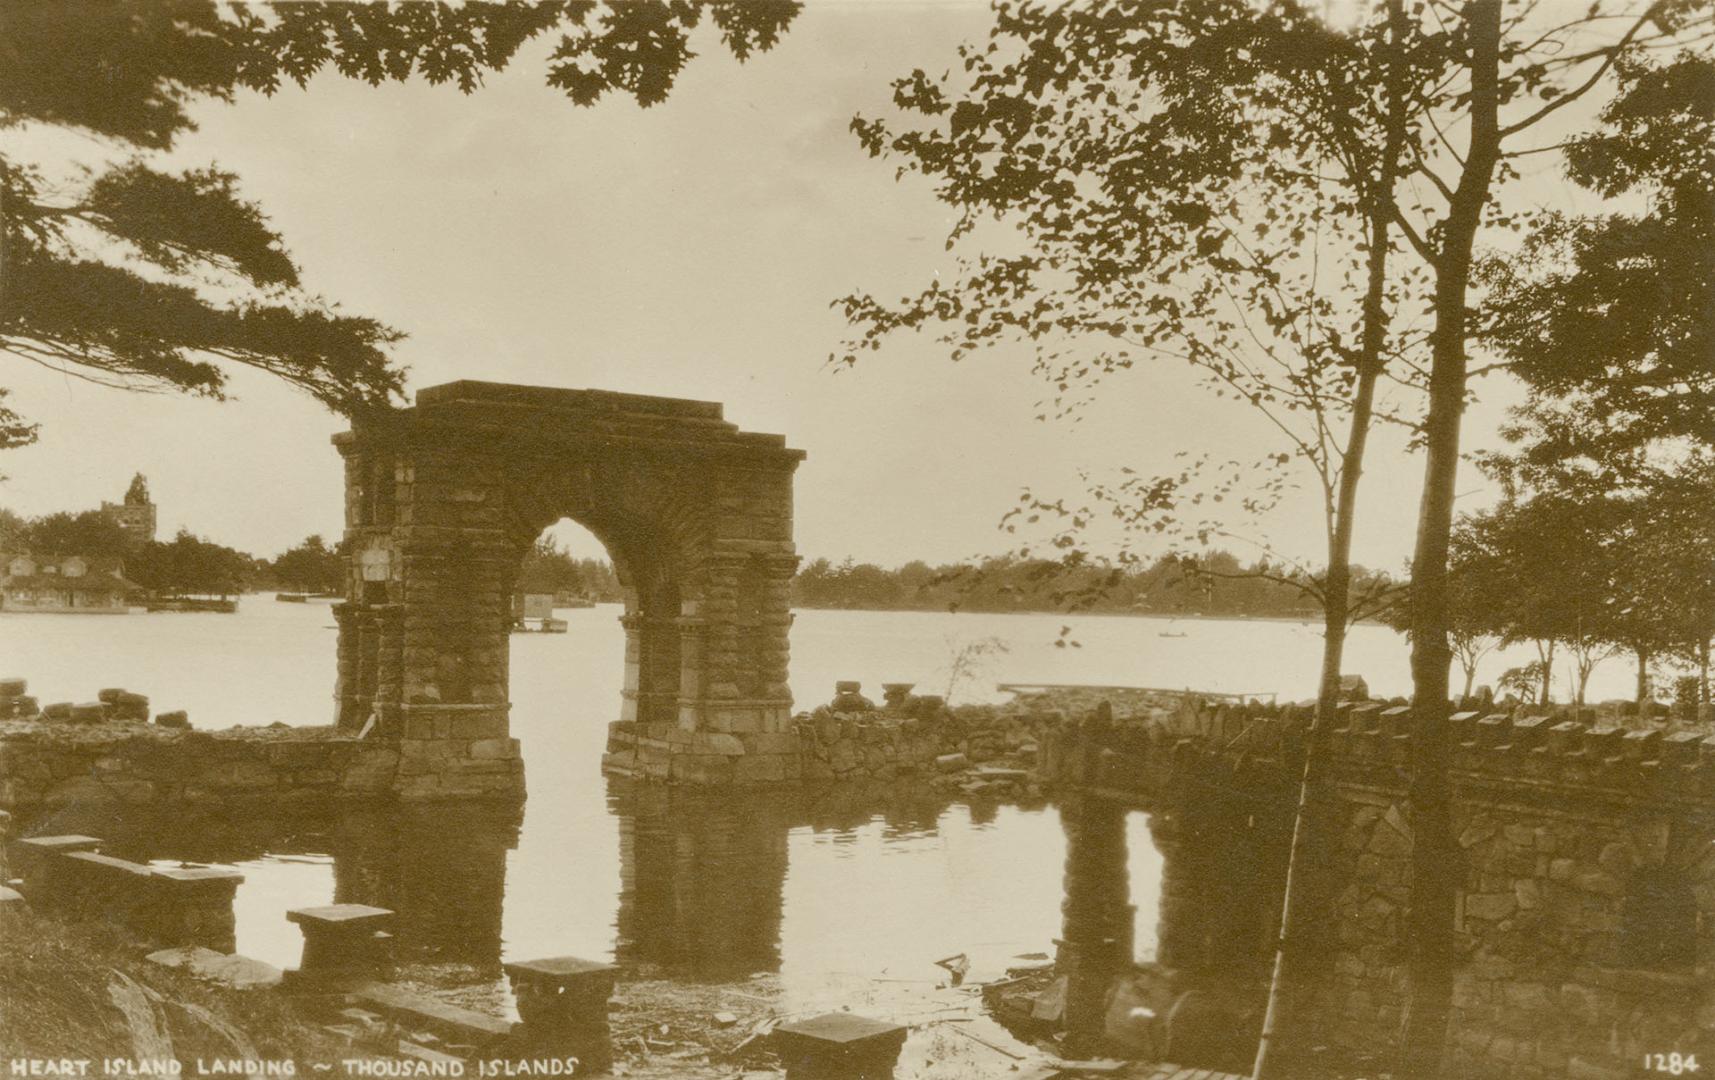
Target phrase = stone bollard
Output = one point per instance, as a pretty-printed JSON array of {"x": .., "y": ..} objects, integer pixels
[
  {"x": 88, "y": 712},
  {"x": 12, "y": 698},
  {"x": 342, "y": 942},
  {"x": 928, "y": 706},
  {"x": 39, "y": 863},
  {"x": 562, "y": 1008},
  {"x": 176, "y": 719},
  {"x": 841, "y": 1045},
  {"x": 895, "y": 694},
  {"x": 58, "y": 711},
  {"x": 848, "y": 700},
  {"x": 190, "y": 905},
  {"x": 95, "y": 886}
]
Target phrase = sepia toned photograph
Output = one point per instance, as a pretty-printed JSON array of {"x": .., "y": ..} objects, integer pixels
[{"x": 857, "y": 539}]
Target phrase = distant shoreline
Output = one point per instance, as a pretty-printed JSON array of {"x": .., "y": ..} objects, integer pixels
[{"x": 1310, "y": 619}]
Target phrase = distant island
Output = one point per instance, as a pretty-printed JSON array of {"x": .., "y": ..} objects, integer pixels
[{"x": 1216, "y": 585}]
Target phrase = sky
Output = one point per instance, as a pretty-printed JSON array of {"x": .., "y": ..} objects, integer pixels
[{"x": 690, "y": 250}]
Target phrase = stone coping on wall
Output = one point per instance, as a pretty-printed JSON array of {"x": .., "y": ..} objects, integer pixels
[{"x": 1371, "y": 742}]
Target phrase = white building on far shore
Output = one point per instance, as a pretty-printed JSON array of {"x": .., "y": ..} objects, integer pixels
[{"x": 74, "y": 584}]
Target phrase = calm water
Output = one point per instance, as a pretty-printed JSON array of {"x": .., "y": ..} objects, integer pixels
[{"x": 835, "y": 904}]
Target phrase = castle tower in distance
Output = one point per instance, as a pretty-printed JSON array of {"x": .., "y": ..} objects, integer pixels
[{"x": 136, "y": 514}]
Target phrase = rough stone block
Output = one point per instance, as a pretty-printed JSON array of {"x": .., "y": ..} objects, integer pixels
[
  {"x": 484, "y": 725},
  {"x": 494, "y": 749},
  {"x": 233, "y": 972},
  {"x": 760, "y": 769},
  {"x": 722, "y": 743}
]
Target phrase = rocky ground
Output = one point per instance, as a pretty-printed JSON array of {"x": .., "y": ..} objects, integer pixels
[{"x": 86, "y": 992}]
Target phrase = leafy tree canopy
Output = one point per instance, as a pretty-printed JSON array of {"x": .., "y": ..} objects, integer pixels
[
  {"x": 90, "y": 533},
  {"x": 131, "y": 276},
  {"x": 311, "y": 566},
  {"x": 1610, "y": 319}
]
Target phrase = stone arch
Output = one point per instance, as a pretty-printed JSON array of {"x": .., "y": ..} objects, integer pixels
[{"x": 444, "y": 499}]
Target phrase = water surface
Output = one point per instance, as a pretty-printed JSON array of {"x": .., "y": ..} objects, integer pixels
[{"x": 835, "y": 902}]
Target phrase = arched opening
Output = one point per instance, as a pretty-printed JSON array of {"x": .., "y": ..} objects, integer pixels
[{"x": 445, "y": 500}]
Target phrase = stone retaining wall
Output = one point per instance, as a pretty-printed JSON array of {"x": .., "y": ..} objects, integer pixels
[
  {"x": 1586, "y": 913},
  {"x": 45, "y": 764},
  {"x": 107, "y": 751},
  {"x": 968, "y": 747}
]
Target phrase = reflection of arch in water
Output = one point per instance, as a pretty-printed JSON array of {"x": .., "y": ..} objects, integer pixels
[
  {"x": 701, "y": 879},
  {"x": 441, "y": 868},
  {"x": 443, "y": 500},
  {"x": 1222, "y": 875}
]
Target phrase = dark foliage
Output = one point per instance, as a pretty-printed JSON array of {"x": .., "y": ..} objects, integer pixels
[{"x": 139, "y": 278}]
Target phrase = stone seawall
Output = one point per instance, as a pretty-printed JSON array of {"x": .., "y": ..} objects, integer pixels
[
  {"x": 969, "y": 747},
  {"x": 45, "y": 764},
  {"x": 106, "y": 751},
  {"x": 1585, "y": 923}
]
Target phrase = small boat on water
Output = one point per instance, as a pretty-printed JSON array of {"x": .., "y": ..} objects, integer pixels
[
  {"x": 192, "y": 603},
  {"x": 292, "y": 597},
  {"x": 533, "y": 613},
  {"x": 548, "y": 625}
]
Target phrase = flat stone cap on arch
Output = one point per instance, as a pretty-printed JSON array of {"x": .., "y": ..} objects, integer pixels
[{"x": 517, "y": 413}]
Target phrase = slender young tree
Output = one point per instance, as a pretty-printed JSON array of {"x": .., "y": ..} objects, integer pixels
[
  {"x": 1117, "y": 140},
  {"x": 1256, "y": 248},
  {"x": 1511, "y": 68}
]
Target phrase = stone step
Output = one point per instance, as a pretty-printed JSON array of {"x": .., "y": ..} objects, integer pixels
[
  {"x": 409, "y": 1049},
  {"x": 450, "y": 1022}
]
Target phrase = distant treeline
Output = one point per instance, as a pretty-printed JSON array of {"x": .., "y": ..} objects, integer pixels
[
  {"x": 1213, "y": 584},
  {"x": 548, "y": 569}
]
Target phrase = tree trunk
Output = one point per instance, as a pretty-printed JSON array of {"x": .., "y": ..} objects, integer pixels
[
  {"x": 1703, "y": 672},
  {"x": 1643, "y": 678},
  {"x": 1544, "y": 689},
  {"x": 1470, "y": 678},
  {"x": 1336, "y": 612},
  {"x": 5, "y": 238},
  {"x": 1434, "y": 864}
]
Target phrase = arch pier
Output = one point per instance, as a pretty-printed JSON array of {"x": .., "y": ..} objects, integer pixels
[{"x": 444, "y": 499}]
